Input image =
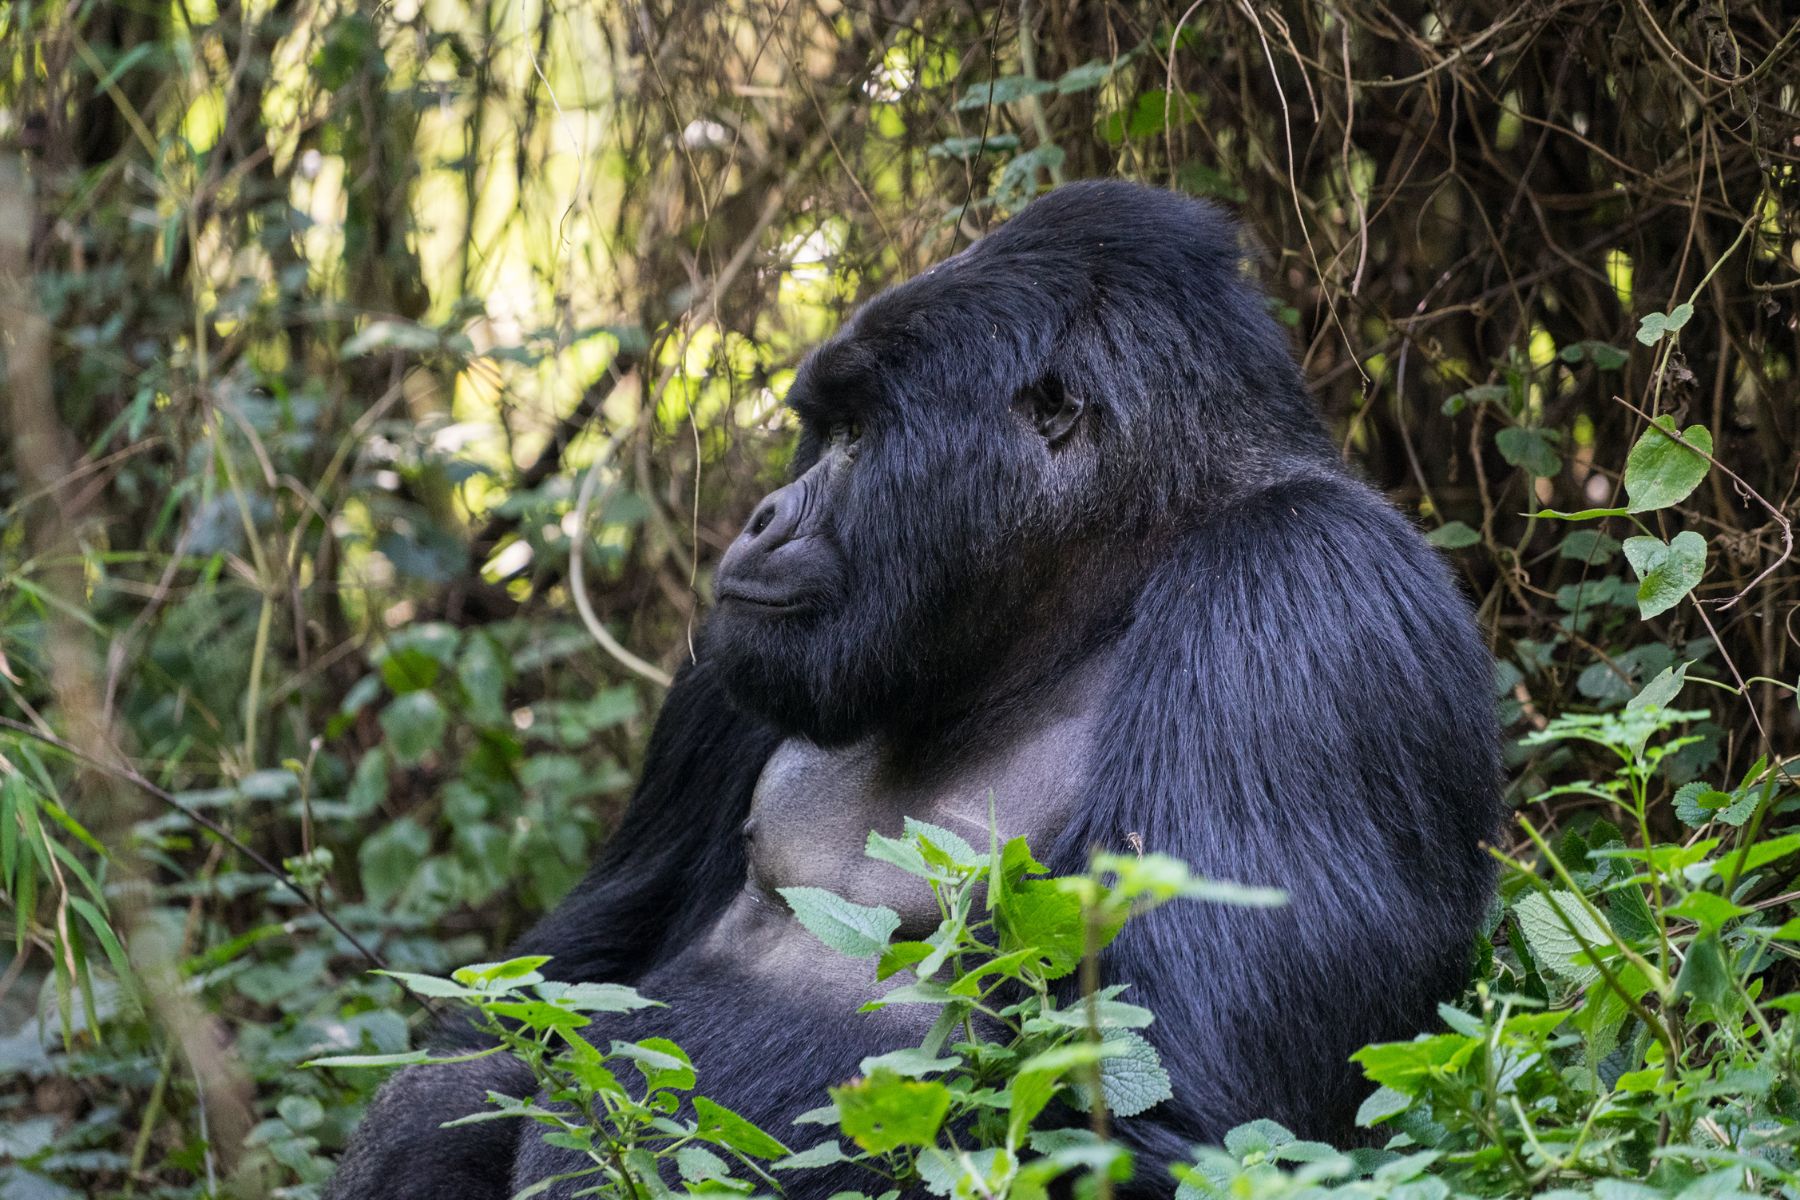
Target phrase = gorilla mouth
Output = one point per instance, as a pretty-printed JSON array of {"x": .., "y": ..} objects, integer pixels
[{"x": 770, "y": 602}]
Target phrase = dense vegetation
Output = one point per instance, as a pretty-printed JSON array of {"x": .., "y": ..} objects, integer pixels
[{"x": 381, "y": 382}]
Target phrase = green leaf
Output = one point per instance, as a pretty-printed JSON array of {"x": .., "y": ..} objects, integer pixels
[
  {"x": 1533, "y": 449},
  {"x": 1707, "y": 910},
  {"x": 1697, "y": 803},
  {"x": 1660, "y": 471},
  {"x": 521, "y": 971},
  {"x": 911, "y": 1062},
  {"x": 857, "y": 930},
  {"x": 1556, "y": 948},
  {"x": 885, "y": 1111},
  {"x": 1452, "y": 535},
  {"x": 1406, "y": 1066},
  {"x": 1666, "y": 571},
  {"x": 822, "y": 1155},
  {"x": 1586, "y": 514},
  {"x": 1705, "y": 975},
  {"x": 1652, "y": 327},
  {"x": 1589, "y": 545},
  {"x": 1087, "y": 75},
  {"x": 661, "y": 1062},
  {"x": 1383, "y": 1102},
  {"x": 719, "y": 1124},
  {"x": 388, "y": 860},
  {"x": 414, "y": 725},
  {"x": 1003, "y": 90},
  {"x": 409, "y": 1059},
  {"x": 1132, "y": 1075},
  {"x": 1038, "y": 914},
  {"x": 969, "y": 147},
  {"x": 1659, "y": 691},
  {"x": 698, "y": 1164},
  {"x": 949, "y": 845},
  {"x": 597, "y": 997}
]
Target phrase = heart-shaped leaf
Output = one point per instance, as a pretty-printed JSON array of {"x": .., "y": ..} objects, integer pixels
[
  {"x": 1660, "y": 471},
  {"x": 1666, "y": 571},
  {"x": 1653, "y": 326}
]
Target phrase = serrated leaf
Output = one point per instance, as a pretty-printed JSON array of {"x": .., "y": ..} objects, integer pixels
[
  {"x": 884, "y": 1111},
  {"x": 1132, "y": 1075},
  {"x": 858, "y": 930},
  {"x": 952, "y": 845},
  {"x": 719, "y": 1124},
  {"x": 698, "y": 1164},
  {"x": 1557, "y": 949},
  {"x": 1666, "y": 572},
  {"x": 1660, "y": 471}
]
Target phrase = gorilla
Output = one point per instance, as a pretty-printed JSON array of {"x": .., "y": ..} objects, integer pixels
[{"x": 1065, "y": 527}]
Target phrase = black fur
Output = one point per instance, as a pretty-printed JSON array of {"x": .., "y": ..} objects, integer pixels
[{"x": 1300, "y": 697}]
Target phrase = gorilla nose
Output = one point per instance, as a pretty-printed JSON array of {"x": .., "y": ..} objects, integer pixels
[
  {"x": 775, "y": 519},
  {"x": 769, "y": 563}
]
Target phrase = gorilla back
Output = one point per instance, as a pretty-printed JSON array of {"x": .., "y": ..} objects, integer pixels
[{"x": 1064, "y": 526}]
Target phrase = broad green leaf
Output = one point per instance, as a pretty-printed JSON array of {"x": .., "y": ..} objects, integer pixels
[
  {"x": 1707, "y": 910},
  {"x": 517, "y": 971},
  {"x": 1533, "y": 449},
  {"x": 1666, "y": 571},
  {"x": 389, "y": 859},
  {"x": 661, "y": 1062},
  {"x": 911, "y": 1062},
  {"x": 1453, "y": 535},
  {"x": 1003, "y": 90},
  {"x": 1661, "y": 690},
  {"x": 951, "y": 845},
  {"x": 719, "y": 1124},
  {"x": 1652, "y": 327},
  {"x": 597, "y": 997},
  {"x": 1383, "y": 1102},
  {"x": 857, "y": 930},
  {"x": 1406, "y": 1066},
  {"x": 886, "y": 1111},
  {"x": 414, "y": 725},
  {"x": 1556, "y": 948},
  {"x": 1661, "y": 471},
  {"x": 698, "y": 1164},
  {"x": 1132, "y": 1075},
  {"x": 1087, "y": 75}
]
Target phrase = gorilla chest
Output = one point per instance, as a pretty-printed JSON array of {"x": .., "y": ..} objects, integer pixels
[{"x": 813, "y": 810}]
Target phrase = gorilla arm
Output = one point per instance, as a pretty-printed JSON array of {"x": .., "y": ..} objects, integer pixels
[
  {"x": 674, "y": 862},
  {"x": 1308, "y": 707}
]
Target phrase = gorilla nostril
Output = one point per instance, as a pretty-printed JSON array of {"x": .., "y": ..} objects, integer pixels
[{"x": 761, "y": 520}]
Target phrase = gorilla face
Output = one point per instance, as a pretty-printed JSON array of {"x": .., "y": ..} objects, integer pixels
[{"x": 902, "y": 558}]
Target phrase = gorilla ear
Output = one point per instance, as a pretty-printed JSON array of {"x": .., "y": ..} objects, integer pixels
[{"x": 1051, "y": 408}]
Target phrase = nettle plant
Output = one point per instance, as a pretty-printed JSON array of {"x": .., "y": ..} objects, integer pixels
[
  {"x": 989, "y": 1103},
  {"x": 1623, "y": 1039}
]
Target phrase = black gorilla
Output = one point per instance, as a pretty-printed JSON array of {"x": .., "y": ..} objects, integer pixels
[{"x": 1066, "y": 525}]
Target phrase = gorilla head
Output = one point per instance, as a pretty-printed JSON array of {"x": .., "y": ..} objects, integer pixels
[{"x": 990, "y": 452}]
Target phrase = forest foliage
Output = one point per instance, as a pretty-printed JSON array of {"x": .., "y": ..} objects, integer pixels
[{"x": 381, "y": 383}]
